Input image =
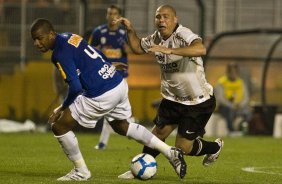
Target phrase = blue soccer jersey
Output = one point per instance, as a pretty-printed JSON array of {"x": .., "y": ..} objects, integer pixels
[
  {"x": 111, "y": 44},
  {"x": 84, "y": 68}
]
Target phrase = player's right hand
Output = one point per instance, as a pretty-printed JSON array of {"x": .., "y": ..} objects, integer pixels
[{"x": 124, "y": 21}]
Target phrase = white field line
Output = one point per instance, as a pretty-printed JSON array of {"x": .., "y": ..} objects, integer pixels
[{"x": 262, "y": 170}]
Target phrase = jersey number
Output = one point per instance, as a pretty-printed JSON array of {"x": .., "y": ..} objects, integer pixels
[
  {"x": 92, "y": 53},
  {"x": 106, "y": 71}
]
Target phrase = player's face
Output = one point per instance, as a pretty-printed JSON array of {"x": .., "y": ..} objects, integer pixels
[
  {"x": 43, "y": 40},
  {"x": 165, "y": 21},
  {"x": 112, "y": 14}
]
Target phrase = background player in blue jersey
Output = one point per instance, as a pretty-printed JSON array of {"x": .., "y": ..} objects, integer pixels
[
  {"x": 111, "y": 39},
  {"x": 95, "y": 90}
]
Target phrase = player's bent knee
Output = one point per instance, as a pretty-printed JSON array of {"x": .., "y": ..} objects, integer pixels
[
  {"x": 60, "y": 129},
  {"x": 119, "y": 126}
]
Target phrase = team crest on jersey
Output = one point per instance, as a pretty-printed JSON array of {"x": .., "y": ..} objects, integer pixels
[
  {"x": 103, "y": 40},
  {"x": 75, "y": 40},
  {"x": 121, "y": 31}
]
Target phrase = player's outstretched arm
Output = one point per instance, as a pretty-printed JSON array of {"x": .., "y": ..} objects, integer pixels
[
  {"x": 195, "y": 49},
  {"x": 134, "y": 40}
]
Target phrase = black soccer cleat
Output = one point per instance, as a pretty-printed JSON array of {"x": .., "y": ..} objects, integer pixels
[
  {"x": 178, "y": 162},
  {"x": 211, "y": 158}
]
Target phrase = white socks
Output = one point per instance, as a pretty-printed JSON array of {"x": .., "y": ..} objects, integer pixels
[
  {"x": 70, "y": 146},
  {"x": 144, "y": 136}
]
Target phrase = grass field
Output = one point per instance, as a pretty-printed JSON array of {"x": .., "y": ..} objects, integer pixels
[{"x": 29, "y": 158}]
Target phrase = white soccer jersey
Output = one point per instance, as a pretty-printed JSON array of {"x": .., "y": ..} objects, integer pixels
[{"x": 182, "y": 78}]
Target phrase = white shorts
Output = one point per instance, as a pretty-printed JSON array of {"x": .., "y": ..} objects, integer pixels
[{"x": 113, "y": 105}]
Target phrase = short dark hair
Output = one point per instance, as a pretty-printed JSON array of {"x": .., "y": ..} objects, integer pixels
[
  {"x": 41, "y": 23},
  {"x": 115, "y": 7},
  {"x": 168, "y": 7}
]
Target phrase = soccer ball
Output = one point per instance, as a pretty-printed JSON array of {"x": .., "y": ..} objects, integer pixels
[{"x": 143, "y": 166}]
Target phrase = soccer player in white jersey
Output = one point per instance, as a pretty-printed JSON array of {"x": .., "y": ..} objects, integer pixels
[
  {"x": 95, "y": 90},
  {"x": 188, "y": 99}
]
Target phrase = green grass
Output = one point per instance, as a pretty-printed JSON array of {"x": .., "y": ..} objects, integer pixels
[{"x": 29, "y": 158}]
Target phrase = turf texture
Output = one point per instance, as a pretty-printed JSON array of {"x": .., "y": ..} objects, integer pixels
[{"x": 34, "y": 158}]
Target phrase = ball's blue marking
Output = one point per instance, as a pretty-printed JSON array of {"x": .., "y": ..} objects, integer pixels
[{"x": 144, "y": 165}]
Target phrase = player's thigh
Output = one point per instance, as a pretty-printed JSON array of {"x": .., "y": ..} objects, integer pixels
[
  {"x": 64, "y": 124},
  {"x": 120, "y": 126},
  {"x": 164, "y": 132},
  {"x": 87, "y": 111},
  {"x": 121, "y": 106}
]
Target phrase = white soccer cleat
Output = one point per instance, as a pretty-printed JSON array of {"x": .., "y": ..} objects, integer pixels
[
  {"x": 211, "y": 158},
  {"x": 127, "y": 175},
  {"x": 178, "y": 162},
  {"x": 75, "y": 175}
]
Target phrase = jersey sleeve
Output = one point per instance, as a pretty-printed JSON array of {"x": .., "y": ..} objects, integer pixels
[
  {"x": 187, "y": 35},
  {"x": 94, "y": 39},
  {"x": 150, "y": 40},
  {"x": 66, "y": 65},
  {"x": 146, "y": 43}
]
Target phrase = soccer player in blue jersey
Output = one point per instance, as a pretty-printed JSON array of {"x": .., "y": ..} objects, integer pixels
[
  {"x": 95, "y": 90},
  {"x": 111, "y": 39}
]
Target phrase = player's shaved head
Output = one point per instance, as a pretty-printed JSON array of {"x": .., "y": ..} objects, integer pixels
[
  {"x": 165, "y": 20},
  {"x": 43, "y": 34},
  {"x": 166, "y": 6},
  {"x": 43, "y": 24}
]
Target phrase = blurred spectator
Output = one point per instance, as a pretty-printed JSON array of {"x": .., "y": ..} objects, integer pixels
[{"x": 232, "y": 97}]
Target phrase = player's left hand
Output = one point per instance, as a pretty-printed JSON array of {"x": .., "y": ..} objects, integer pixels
[
  {"x": 56, "y": 115},
  {"x": 159, "y": 48}
]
